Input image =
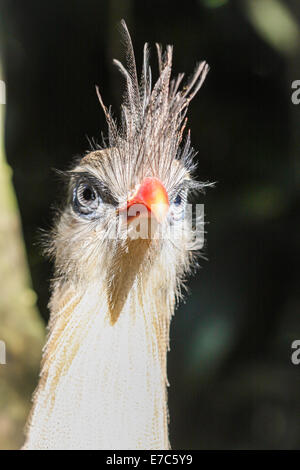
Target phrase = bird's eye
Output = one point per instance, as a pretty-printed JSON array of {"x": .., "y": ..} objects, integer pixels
[
  {"x": 178, "y": 200},
  {"x": 85, "y": 199},
  {"x": 86, "y": 194},
  {"x": 178, "y": 205}
]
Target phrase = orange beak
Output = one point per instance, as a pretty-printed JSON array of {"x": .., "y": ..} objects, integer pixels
[{"x": 152, "y": 194}]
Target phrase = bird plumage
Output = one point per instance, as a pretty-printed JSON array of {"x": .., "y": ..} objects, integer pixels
[{"x": 103, "y": 376}]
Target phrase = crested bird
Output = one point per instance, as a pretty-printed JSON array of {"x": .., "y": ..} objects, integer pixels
[{"x": 103, "y": 380}]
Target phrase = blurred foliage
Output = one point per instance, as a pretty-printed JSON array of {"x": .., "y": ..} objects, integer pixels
[
  {"x": 20, "y": 326},
  {"x": 213, "y": 3},
  {"x": 274, "y": 21},
  {"x": 232, "y": 381}
]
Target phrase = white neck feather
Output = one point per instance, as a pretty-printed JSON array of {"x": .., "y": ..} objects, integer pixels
[{"x": 103, "y": 386}]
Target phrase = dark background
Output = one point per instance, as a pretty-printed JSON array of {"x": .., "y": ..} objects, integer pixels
[{"x": 232, "y": 381}]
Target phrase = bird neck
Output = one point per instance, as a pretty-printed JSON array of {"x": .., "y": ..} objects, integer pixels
[{"x": 103, "y": 385}]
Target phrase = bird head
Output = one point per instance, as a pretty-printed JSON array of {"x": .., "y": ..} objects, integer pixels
[{"x": 125, "y": 223}]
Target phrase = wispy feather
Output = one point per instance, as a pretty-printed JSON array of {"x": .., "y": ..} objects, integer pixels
[{"x": 153, "y": 118}]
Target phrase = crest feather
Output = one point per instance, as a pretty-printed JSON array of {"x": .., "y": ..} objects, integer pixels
[{"x": 153, "y": 118}]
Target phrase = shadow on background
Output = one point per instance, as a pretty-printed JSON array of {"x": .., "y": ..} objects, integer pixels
[{"x": 232, "y": 381}]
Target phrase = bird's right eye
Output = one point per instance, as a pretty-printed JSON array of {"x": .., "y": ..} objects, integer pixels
[{"x": 86, "y": 199}]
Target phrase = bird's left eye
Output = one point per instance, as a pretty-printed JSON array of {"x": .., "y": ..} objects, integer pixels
[
  {"x": 85, "y": 199},
  {"x": 178, "y": 200},
  {"x": 178, "y": 205}
]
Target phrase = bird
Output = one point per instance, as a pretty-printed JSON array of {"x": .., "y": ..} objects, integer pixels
[{"x": 103, "y": 379}]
